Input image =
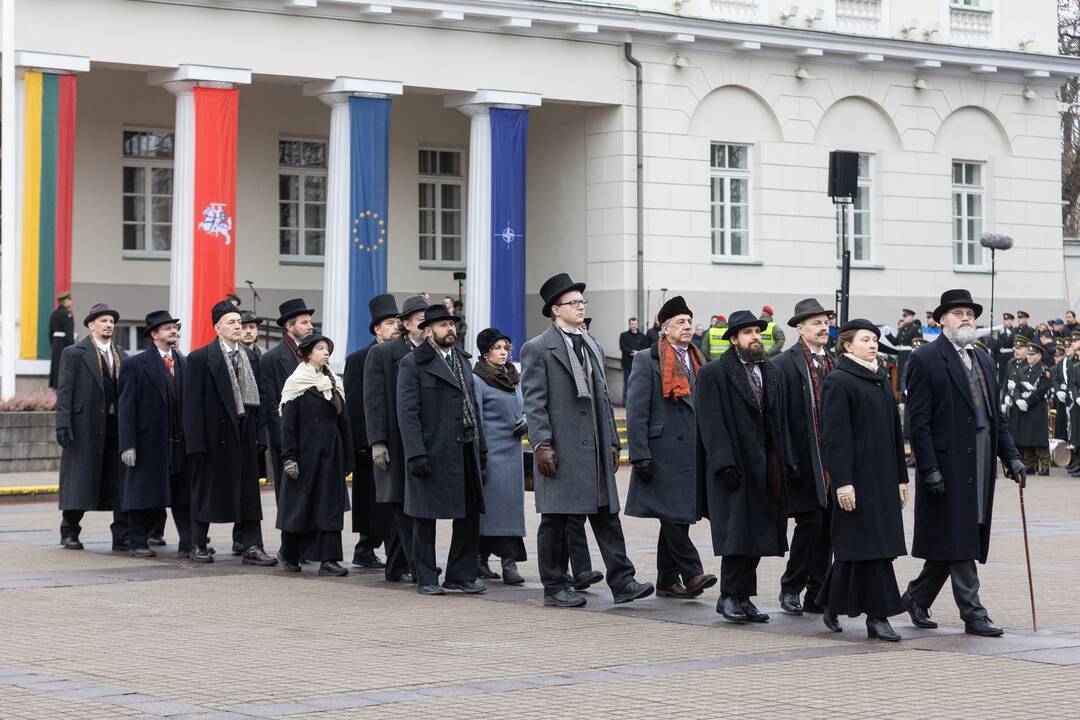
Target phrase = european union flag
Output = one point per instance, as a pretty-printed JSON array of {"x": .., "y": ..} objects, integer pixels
[
  {"x": 509, "y": 136},
  {"x": 369, "y": 160}
]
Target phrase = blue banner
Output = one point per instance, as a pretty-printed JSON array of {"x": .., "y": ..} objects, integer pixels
[
  {"x": 369, "y": 155},
  {"x": 509, "y": 140}
]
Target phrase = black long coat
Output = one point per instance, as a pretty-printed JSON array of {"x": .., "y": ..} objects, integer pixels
[
  {"x": 864, "y": 447},
  {"x": 733, "y": 432},
  {"x": 381, "y": 415},
  {"x": 319, "y": 439},
  {"x": 942, "y": 419},
  {"x": 805, "y": 492},
  {"x": 80, "y": 405},
  {"x": 222, "y": 447},
  {"x": 429, "y": 401},
  {"x": 1029, "y": 429},
  {"x": 144, "y": 425},
  {"x": 367, "y": 515},
  {"x": 277, "y": 363}
]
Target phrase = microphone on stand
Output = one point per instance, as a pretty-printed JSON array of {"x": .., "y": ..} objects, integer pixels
[{"x": 254, "y": 297}]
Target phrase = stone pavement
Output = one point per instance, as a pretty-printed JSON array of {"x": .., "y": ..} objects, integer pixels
[{"x": 95, "y": 635}]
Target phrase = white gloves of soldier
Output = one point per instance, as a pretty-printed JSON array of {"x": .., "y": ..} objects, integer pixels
[
  {"x": 1028, "y": 385},
  {"x": 128, "y": 457},
  {"x": 1060, "y": 395},
  {"x": 1005, "y": 406},
  {"x": 1022, "y": 405},
  {"x": 1012, "y": 385},
  {"x": 903, "y": 495},
  {"x": 292, "y": 470},
  {"x": 1025, "y": 395},
  {"x": 380, "y": 456},
  {"x": 1008, "y": 401},
  {"x": 845, "y": 497}
]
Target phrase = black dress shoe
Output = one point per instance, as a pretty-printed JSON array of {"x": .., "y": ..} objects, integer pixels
[
  {"x": 752, "y": 613},
  {"x": 831, "y": 621},
  {"x": 71, "y": 543},
  {"x": 633, "y": 590},
  {"x": 729, "y": 607},
  {"x": 332, "y": 568},
  {"x": 155, "y": 540},
  {"x": 238, "y": 548},
  {"x": 368, "y": 559},
  {"x": 789, "y": 603},
  {"x": 200, "y": 555},
  {"x": 920, "y": 616},
  {"x": 510, "y": 573},
  {"x": 143, "y": 552},
  {"x": 121, "y": 547},
  {"x": 880, "y": 629},
  {"x": 583, "y": 580},
  {"x": 255, "y": 555},
  {"x": 287, "y": 565},
  {"x": 469, "y": 587},
  {"x": 430, "y": 590},
  {"x": 700, "y": 583},
  {"x": 483, "y": 570},
  {"x": 565, "y": 599},
  {"x": 183, "y": 554},
  {"x": 809, "y": 606},
  {"x": 405, "y": 578},
  {"x": 983, "y": 627}
]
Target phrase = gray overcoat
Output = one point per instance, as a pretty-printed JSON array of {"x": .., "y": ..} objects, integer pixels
[
  {"x": 504, "y": 479},
  {"x": 556, "y": 414}
]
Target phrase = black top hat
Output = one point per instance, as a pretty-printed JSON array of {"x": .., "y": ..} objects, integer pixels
[
  {"x": 313, "y": 338},
  {"x": 742, "y": 319},
  {"x": 805, "y": 309},
  {"x": 291, "y": 308},
  {"x": 434, "y": 313},
  {"x": 555, "y": 287},
  {"x": 247, "y": 318},
  {"x": 953, "y": 299},
  {"x": 158, "y": 318},
  {"x": 414, "y": 303},
  {"x": 221, "y": 309},
  {"x": 381, "y": 307},
  {"x": 674, "y": 306},
  {"x": 489, "y": 337},
  {"x": 1008, "y": 316},
  {"x": 860, "y": 324},
  {"x": 97, "y": 311}
]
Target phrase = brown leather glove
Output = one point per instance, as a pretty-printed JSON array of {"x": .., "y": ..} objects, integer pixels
[
  {"x": 615, "y": 459},
  {"x": 546, "y": 460}
]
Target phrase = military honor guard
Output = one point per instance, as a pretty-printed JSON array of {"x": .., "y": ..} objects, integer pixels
[
  {"x": 907, "y": 330},
  {"x": 1030, "y": 426},
  {"x": 61, "y": 335}
]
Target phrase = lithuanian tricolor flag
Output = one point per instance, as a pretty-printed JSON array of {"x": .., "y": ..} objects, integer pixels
[{"x": 48, "y": 165}]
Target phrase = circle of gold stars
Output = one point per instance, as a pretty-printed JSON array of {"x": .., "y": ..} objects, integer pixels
[{"x": 356, "y": 231}]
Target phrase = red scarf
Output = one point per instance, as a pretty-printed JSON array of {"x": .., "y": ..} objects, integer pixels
[
  {"x": 674, "y": 383},
  {"x": 288, "y": 340}
]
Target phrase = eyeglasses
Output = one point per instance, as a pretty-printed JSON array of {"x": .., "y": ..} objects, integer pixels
[
  {"x": 574, "y": 303},
  {"x": 963, "y": 314}
]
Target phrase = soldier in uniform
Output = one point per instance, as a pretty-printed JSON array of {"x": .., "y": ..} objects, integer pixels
[
  {"x": 1059, "y": 391},
  {"x": 1022, "y": 327},
  {"x": 1001, "y": 342},
  {"x": 907, "y": 330},
  {"x": 61, "y": 334},
  {"x": 1072, "y": 378},
  {"x": 1030, "y": 402}
]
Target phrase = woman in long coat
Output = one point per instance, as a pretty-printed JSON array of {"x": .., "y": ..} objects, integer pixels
[
  {"x": 863, "y": 451},
  {"x": 497, "y": 391},
  {"x": 317, "y": 454}
]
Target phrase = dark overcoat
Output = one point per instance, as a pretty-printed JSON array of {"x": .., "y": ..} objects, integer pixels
[
  {"x": 429, "y": 400},
  {"x": 581, "y": 430},
  {"x": 1029, "y": 428},
  {"x": 368, "y": 516},
  {"x": 806, "y": 490},
  {"x": 504, "y": 478},
  {"x": 864, "y": 447},
  {"x": 319, "y": 439},
  {"x": 222, "y": 446},
  {"x": 80, "y": 405},
  {"x": 942, "y": 417},
  {"x": 277, "y": 364},
  {"x": 663, "y": 431},
  {"x": 734, "y": 432},
  {"x": 144, "y": 425},
  {"x": 381, "y": 415}
]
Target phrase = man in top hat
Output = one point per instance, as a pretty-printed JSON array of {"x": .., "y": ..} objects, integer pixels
[
  {"x": 772, "y": 337},
  {"x": 278, "y": 364},
  {"x": 803, "y": 368},
  {"x": 1022, "y": 326},
  {"x": 906, "y": 330},
  {"x": 224, "y": 420},
  {"x": 1030, "y": 418},
  {"x": 957, "y": 435},
  {"x": 61, "y": 335},
  {"x": 87, "y": 401},
  {"x": 660, "y": 427},
  {"x": 443, "y": 439},
  {"x": 575, "y": 445},
  {"x": 152, "y": 436},
  {"x": 371, "y": 521},
  {"x": 744, "y": 462},
  {"x": 249, "y": 331},
  {"x": 384, "y": 435}
]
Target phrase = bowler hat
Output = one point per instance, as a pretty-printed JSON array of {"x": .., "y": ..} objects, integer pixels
[
  {"x": 672, "y": 308},
  {"x": 806, "y": 309},
  {"x": 860, "y": 324},
  {"x": 221, "y": 309},
  {"x": 292, "y": 308},
  {"x": 555, "y": 287},
  {"x": 742, "y": 319},
  {"x": 313, "y": 338},
  {"x": 437, "y": 312},
  {"x": 381, "y": 307},
  {"x": 489, "y": 337},
  {"x": 158, "y": 318},
  {"x": 958, "y": 298},
  {"x": 97, "y": 311},
  {"x": 247, "y": 318},
  {"x": 413, "y": 303}
]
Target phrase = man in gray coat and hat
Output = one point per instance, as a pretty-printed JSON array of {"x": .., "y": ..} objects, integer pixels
[{"x": 576, "y": 447}]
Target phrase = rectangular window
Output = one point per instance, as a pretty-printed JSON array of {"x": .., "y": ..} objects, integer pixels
[
  {"x": 147, "y": 193},
  {"x": 301, "y": 200},
  {"x": 730, "y": 200},
  {"x": 441, "y": 208},
  {"x": 858, "y": 217},
  {"x": 967, "y": 214}
]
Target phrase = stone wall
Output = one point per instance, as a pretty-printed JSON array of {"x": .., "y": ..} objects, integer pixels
[{"x": 28, "y": 442}]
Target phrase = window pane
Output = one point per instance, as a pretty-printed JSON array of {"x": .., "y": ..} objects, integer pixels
[
  {"x": 718, "y": 242},
  {"x": 289, "y": 152},
  {"x": 971, "y": 253},
  {"x": 427, "y": 248},
  {"x": 451, "y": 197},
  {"x": 288, "y": 187},
  {"x": 287, "y": 242},
  {"x": 739, "y": 217},
  {"x": 740, "y": 242},
  {"x": 958, "y": 173},
  {"x": 161, "y": 237},
  {"x": 974, "y": 231},
  {"x": 864, "y": 166},
  {"x": 428, "y": 162},
  {"x": 288, "y": 215},
  {"x": 131, "y": 143},
  {"x": 719, "y": 156},
  {"x": 958, "y": 253},
  {"x": 160, "y": 144},
  {"x": 451, "y": 222},
  {"x": 717, "y": 190},
  {"x": 958, "y": 204},
  {"x": 161, "y": 209},
  {"x": 313, "y": 154},
  {"x": 315, "y": 187},
  {"x": 134, "y": 177},
  {"x": 975, "y": 205},
  {"x": 313, "y": 242},
  {"x": 450, "y": 163},
  {"x": 314, "y": 216},
  {"x": 161, "y": 181},
  {"x": 427, "y": 222},
  {"x": 427, "y": 195},
  {"x": 133, "y": 236},
  {"x": 958, "y": 229},
  {"x": 451, "y": 249},
  {"x": 737, "y": 156},
  {"x": 134, "y": 208},
  {"x": 738, "y": 191},
  {"x": 974, "y": 174},
  {"x": 718, "y": 216},
  {"x": 862, "y": 199},
  {"x": 860, "y": 224}
]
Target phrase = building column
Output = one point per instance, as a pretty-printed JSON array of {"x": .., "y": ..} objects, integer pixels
[
  {"x": 478, "y": 232},
  {"x": 335, "y": 303},
  {"x": 181, "y": 82}
]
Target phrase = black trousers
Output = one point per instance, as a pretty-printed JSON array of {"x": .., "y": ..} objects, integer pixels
[
  {"x": 71, "y": 525},
  {"x": 111, "y": 491},
  {"x": 181, "y": 515},
  {"x": 551, "y": 550},
  {"x": 399, "y": 544},
  {"x": 249, "y": 532},
  {"x": 676, "y": 556},
  {"x": 965, "y": 586},
  {"x": 808, "y": 561},
  {"x": 315, "y": 545},
  {"x": 464, "y": 547},
  {"x": 141, "y": 522},
  {"x": 277, "y": 465},
  {"x": 366, "y": 513},
  {"x": 738, "y": 576},
  {"x": 575, "y": 551},
  {"x": 157, "y": 527}
]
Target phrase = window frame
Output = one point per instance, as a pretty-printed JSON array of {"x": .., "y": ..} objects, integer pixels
[
  {"x": 865, "y": 182},
  {"x": 727, "y": 174},
  {"x": 438, "y": 181},
  {"x": 300, "y": 172},
  {"x": 148, "y": 164},
  {"x": 965, "y": 191}
]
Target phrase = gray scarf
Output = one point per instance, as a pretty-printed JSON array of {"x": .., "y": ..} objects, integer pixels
[
  {"x": 245, "y": 389},
  {"x": 582, "y": 374}
]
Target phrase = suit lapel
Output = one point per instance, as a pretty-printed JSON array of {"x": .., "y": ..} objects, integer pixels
[
  {"x": 554, "y": 340},
  {"x": 216, "y": 362},
  {"x": 954, "y": 366},
  {"x": 90, "y": 357},
  {"x": 439, "y": 368},
  {"x": 158, "y": 372}
]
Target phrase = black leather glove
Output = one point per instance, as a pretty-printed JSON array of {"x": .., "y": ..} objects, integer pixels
[
  {"x": 1017, "y": 472},
  {"x": 64, "y": 436},
  {"x": 643, "y": 470},
  {"x": 521, "y": 428},
  {"x": 420, "y": 467},
  {"x": 933, "y": 483},
  {"x": 730, "y": 478}
]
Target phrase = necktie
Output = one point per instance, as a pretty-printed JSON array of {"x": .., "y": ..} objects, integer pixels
[
  {"x": 755, "y": 382},
  {"x": 680, "y": 353},
  {"x": 966, "y": 355},
  {"x": 168, "y": 363},
  {"x": 234, "y": 356},
  {"x": 579, "y": 347}
]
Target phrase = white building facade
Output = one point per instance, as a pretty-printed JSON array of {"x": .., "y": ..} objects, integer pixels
[{"x": 951, "y": 106}]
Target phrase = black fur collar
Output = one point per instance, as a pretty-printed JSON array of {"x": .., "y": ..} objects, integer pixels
[
  {"x": 770, "y": 378},
  {"x": 426, "y": 352}
]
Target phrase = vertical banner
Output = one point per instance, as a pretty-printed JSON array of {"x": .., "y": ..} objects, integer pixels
[
  {"x": 369, "y": 179},
  {"x": 509, "y": 141},
  {"x": 214, "y": 257},
  {"x": 48, "y": 152}
]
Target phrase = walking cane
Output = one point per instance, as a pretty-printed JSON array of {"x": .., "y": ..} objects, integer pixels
[{"x": 1027, "y": 555}]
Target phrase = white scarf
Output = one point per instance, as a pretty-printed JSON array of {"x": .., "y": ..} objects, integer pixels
[
  {"x": 307, "y": 376},
  {"x": 871, "y": 366}
]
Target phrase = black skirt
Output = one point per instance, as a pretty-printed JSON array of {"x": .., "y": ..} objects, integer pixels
[
  {"x": 861, "y": 587},
  {"x": 314, "y": 545},
  {"x": 507, "y": 547}
]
